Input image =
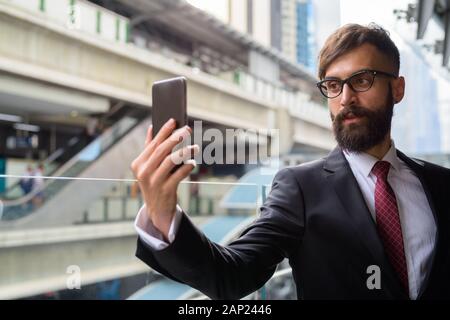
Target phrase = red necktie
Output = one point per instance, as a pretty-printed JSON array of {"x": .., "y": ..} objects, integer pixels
[{"x": 388, "y": 221}]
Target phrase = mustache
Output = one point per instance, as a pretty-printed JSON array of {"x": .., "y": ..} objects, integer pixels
[{"x": 355, "y": 110}]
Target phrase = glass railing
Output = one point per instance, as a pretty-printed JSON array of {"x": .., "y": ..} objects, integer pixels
[
  {"x": 281, "y": 286},
  {"x": 45, "y": 189},
  {"x": 90, "y": 252},
  {"x": 238, "y": 201}
]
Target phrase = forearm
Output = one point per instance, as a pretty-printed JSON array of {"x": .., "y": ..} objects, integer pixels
[
  {"x": 218, "y": 272},
  {"x": 244, "y": 265}
]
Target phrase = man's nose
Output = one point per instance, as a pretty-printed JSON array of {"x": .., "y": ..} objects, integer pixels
[{"x": 348, "y": 96}]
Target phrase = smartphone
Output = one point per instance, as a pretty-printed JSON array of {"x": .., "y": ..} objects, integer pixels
[{"x": 169, "y": 101}]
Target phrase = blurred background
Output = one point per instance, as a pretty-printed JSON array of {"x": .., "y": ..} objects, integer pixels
[{"x": 75, "y": 103}]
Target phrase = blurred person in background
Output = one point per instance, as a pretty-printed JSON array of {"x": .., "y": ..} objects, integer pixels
[
  {"x": 38, "y": 186},
  {"x": 26, "y": 183},
  {"x": 91, "y": 130}
]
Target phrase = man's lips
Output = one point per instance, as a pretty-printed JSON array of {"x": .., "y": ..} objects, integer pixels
[{"x": 350, "y": 118}]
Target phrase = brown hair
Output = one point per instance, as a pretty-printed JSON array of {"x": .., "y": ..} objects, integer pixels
[{"x": 351, "y": 36}]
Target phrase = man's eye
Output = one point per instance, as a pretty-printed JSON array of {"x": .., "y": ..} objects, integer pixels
[
  {"x": 361, "y": 81},
  {"x": 333, "y": 85}
]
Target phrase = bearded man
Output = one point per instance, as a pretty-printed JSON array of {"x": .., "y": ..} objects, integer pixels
[{"x": 366, "y": 222}]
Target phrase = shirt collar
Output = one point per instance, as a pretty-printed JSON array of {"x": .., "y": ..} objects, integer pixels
[{"x": 364, "y": 162}]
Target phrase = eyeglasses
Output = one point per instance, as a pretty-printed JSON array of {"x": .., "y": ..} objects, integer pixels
[{"x": 358, "y": 82}]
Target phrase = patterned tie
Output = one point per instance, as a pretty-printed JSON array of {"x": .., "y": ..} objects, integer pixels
[{"x": 388, "y": 221}]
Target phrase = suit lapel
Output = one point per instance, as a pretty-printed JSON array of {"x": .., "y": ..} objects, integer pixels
[{"x": 347, "y": 189}]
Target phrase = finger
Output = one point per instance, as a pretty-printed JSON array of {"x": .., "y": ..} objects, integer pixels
[
  {"x": 165, "y": 131},
  {"x": 166, "y": 148},
  {"x": 181, "y": 173},
  {"x": 148, "y": 137},
  {"x": 162, "y": 135},
  {"x": 175, "y": 158}
]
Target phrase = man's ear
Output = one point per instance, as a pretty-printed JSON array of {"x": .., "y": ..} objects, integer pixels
[{"x": 398, "y": 89}]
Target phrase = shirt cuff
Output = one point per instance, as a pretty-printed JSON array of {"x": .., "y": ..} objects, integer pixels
[{"x": 152, "y": 236}]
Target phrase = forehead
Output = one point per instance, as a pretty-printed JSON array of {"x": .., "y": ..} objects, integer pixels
[{"x": 365, "y": 56}]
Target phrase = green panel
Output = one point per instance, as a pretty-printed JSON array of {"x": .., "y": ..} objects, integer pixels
[
  {"x": 72, "y": 11},
  {"x": 42, "y": 5},
  {"x": 99, "y": 21},
  {"x": 237, "y": 77},
  {"x": 117, "y": 29}
]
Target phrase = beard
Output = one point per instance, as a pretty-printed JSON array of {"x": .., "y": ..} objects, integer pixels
[{"x": 370, "y": 129}]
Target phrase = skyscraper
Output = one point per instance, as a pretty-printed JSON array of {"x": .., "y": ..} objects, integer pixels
[{"x": 306, "y": 44}]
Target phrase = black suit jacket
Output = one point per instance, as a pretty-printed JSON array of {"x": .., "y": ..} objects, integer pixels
[{"x": 315, "y": 216}]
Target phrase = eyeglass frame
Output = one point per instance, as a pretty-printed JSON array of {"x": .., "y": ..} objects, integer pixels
[{"x": 347, "y": 80}]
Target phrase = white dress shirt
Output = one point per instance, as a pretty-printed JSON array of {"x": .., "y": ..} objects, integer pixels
[{"x": 416, "y": 218}]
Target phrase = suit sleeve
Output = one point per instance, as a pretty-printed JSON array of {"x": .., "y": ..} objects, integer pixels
[{"x": 236, "y": 270}]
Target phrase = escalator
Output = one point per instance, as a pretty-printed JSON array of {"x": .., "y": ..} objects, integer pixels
[
  {"x": 65, "y": 200},
  {"x": 51, "y": 164}
]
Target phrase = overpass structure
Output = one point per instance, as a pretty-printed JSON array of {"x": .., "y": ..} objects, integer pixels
[{"x": 50, "y": 59}]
